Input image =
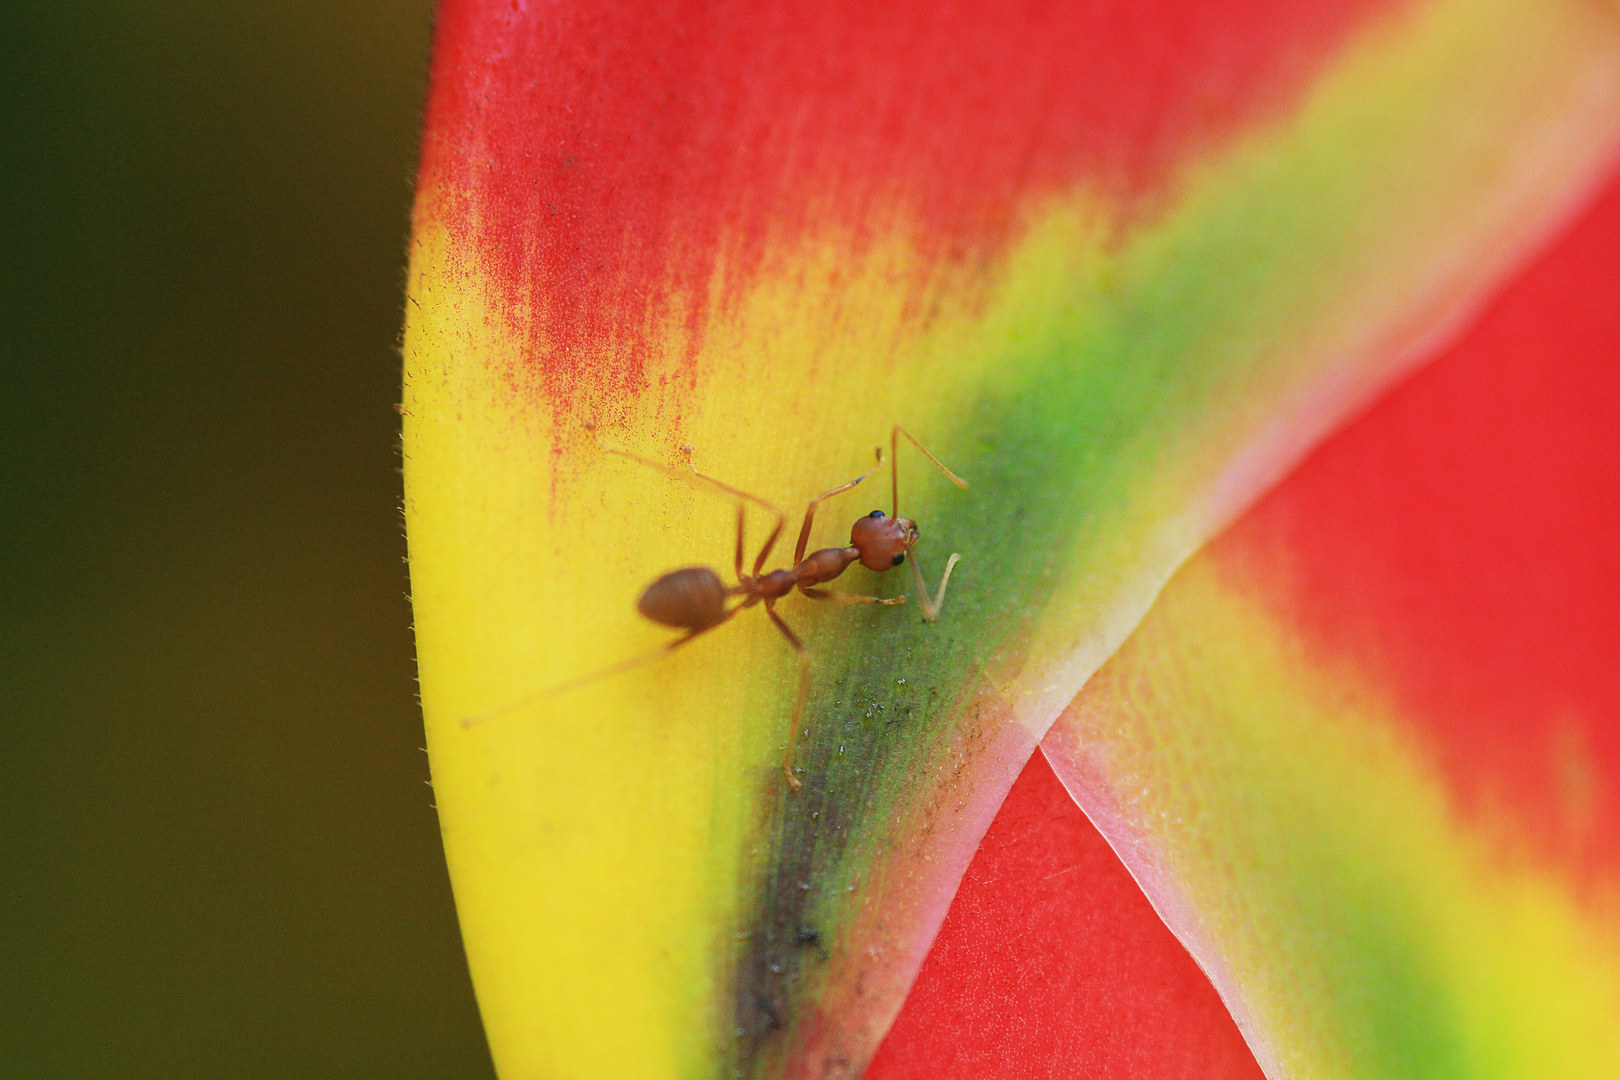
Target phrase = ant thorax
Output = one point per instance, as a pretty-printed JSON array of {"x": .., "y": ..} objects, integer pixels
[{"x": 824, "y": 565}]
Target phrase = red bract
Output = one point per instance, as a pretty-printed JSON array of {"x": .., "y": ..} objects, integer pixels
[{"x": 618, "y": 160}]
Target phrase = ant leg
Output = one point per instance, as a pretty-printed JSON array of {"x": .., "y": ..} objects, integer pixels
[
  {"x": 693, "y": 473},
  {"x": 810, "y": 512},
  {"x": 848, "y": 598},
  {"x": 741, "y": 514},
  {"x": 765, "y": 549},
  {"x": 894, "y": 452},
  {"x": 776, "y": 530},
  {"x": 931, "y": 608},
  {"x": 804, "y": 688},
  {"x": 781, "y": 517},
  {"x": 584, "y": 680},
  {"x": 689, "y": 473}
]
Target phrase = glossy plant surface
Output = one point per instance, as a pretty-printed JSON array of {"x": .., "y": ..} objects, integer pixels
[{"x": 1118, "y": 269}]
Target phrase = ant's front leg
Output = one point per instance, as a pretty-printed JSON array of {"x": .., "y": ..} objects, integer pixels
[{"x": 810, "y": 511}]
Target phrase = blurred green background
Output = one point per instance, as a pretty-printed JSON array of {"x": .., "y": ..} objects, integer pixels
[{"x": 219, "y": 856}]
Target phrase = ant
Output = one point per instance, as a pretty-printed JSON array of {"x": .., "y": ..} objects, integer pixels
[{"x": 695, "y": 599}]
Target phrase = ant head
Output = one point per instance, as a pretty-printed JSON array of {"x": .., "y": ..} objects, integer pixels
[{"x": 882, "y": 540}]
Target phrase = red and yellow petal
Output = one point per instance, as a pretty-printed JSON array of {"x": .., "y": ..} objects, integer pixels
[
  {"x": 1364, "y": 754},
  {"x": 1118, "y": 268}
]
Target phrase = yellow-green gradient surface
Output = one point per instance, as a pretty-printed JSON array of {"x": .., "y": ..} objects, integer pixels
[{"x": 632, "y": 876}]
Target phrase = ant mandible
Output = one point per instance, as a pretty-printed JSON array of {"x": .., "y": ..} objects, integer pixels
[{"x": 695, "y": 599}]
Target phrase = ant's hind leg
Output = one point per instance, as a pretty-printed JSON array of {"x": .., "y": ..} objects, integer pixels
[
  {"x": 595, "y": 676},
  {"x": 849, "y": 598},
  {"x": 798, "y": 701}
]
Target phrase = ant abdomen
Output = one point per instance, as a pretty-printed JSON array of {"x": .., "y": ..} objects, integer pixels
[{"x": 693, "y": 598}]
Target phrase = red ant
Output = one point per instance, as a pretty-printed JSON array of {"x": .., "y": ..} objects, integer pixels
[{"x": 694, "y": 598}]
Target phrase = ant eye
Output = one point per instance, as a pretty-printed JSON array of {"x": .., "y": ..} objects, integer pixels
[
  {"x": 898, "y": 559},
  {"x": 875, "y": 514}
]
